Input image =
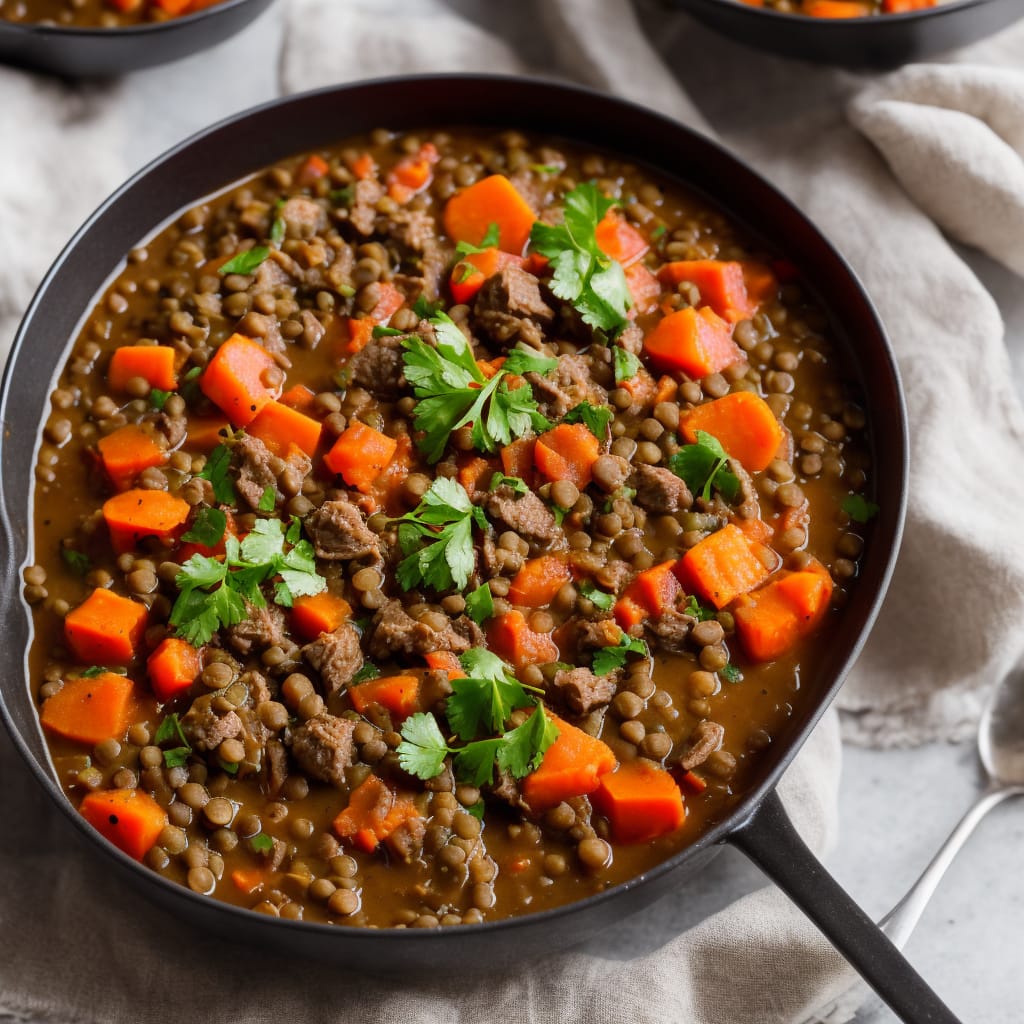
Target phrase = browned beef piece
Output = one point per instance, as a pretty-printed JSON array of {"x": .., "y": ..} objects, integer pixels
[
  {"x": 581, "y": 691},
  {"x": 336, "y": 656},
  {"x": 488, "y": 557},
  {"x": 670, "y": 630},
  {"x": 660, "y": 491},
  {"x": 526, "y": 514},
  {"x": 509, "y": 306},
  {"x": 323, "y": 747},
  {"x": 275, "y": 767},
  {"x": 378, "y": 367},
  {"x": 258, "y": 469},
  {"x": 259, "y": 325},
  {"x": 614, "y": 576},
  {"x": 259, "y": 689},
  {"x": 507, "y": 790},
  {"x": 394, "y": 631},
  {"x": 413, "y": 229},
  {"x": 570, "y": 383},
  {"x": 590, "y": 636},
  {"x": 265, "y": 627},
  {"x": 435, "y": 686},
  {"x": 205, "y": 727},
  {"x": 406, "y": 842},
  {"x": 632, "y": 339},
  {"x": 705, "y": 739},
  {"x": 338, "y": 531},
  {"x": 303, "y": 217},
  {"x": 362, "y": 214}
]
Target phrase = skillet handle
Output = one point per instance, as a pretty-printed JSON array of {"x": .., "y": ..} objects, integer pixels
[{"x": 769, "y": 839}]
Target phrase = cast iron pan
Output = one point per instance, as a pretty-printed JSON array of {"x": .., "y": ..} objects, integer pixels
[
  {"x": 104, "y": 52},
  {"x": 237, "y": 147},
  {"x": 885, "y": 41}
]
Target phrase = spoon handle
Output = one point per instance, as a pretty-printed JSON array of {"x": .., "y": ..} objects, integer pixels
[{"x": 902, "y": 919}]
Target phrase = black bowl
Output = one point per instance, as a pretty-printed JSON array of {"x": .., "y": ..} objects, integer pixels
[
  {"x": 243, "y": 145},
  {"x": 104, "y": 52},
  {"x": 885, "y": 41}
]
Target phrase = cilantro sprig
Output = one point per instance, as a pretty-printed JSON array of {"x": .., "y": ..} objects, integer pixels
[
  {"x": 170, "y": 731},
  {"x": 245, "y": 262},
  {"x": 858, "y": 508},
  {"x": 453, "y": 392},
  {"x": 705, "y": 465},
  {"x": 213, "y": 593},
  {"x": 217, "y": 471},
  {"x": 608, "y": 659},
  {"x": 490, "y": 241},
  {"x": 582, "y": 273},
  {"x": 436, "y": 538},
  {"x": 598, "y": 598},
  {"x": 595, "y": 417},
  {"x": 701, "y": 612},
  {"x": 480, "y": 604}
]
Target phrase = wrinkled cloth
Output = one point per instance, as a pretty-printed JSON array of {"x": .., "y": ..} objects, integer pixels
[{"x": 885, "y": 167}]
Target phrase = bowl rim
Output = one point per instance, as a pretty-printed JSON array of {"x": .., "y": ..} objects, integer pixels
[
  {"x": 837, "y": 24},
  {"x": 143, "y": 29}
]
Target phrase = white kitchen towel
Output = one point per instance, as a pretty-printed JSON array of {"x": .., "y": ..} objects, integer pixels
[{"x": 74, "y": 946}]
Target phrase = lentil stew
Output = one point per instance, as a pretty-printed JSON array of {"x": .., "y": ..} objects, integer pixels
[
  {"x": 842, "y": 8},
  {"x": 98, "y": 13},
  {"x": 403, "y": 585}
]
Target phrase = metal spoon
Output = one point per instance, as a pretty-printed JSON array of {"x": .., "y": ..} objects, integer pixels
[{"x": 1001, "y": 748}]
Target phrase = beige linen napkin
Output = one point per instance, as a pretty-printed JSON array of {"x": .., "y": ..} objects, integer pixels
[{"x": 953, "y": 618}]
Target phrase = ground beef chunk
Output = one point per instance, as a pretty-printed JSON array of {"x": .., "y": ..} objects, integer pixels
[
  {"x": 264, "y": 627},
  {"x": 275, "y": 767},
  {"x": 362, "y": 213},
  {"x": 259, "y": 325},
  {"x": 632, "y": 339},
  {"x": 339, "y": 532},
  {"x": 592, "y": 636},
  {"x": 507, "y": 790},
  {"x": 378, "y": 367},
  {"x": 174, "y": 428},
  {"x": 569, "y": 384},
  {"x": 406, "y": 842},
  {"x": 206, "y": 728},
  {"x": 704, "y": 741},
  {"x": 256, "y": 684},
  {"x": 509, "y": 308},
  {"x": 336, "y": 656},
  {"x": 258, "y": 469},
  {"x": 302, "y": 217},
  {"x": 413, "y": 229},
  {"x": 394, "y": 631},
  {"x": 488, "y": 557},
  {"x": 660, "y": 491},
  {"x": 526, "y": 514},
  {"x": 324, "y": 747},
  {"x": 582, "y": 691},
  {"x": 670, "y": 630}
]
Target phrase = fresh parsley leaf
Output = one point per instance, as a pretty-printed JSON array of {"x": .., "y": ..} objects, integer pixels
[
  {"x": 546, "y": 168},
  {"x": 425, "y": 309},
  {"x": 608, "y": 659},
  {"x": 294, "y": 532},
  {"x": 705, "y": 465},
  {"x": 158, "y": 398},
  {"x": 480, "y": 604},
  {"x": 423, "y": 748},
  {"x": 170, "y": 729},
  {"x": 518, "y": 486},
  {"x": 625, "y": 363},
  {"x": 277, "y": 230},
  {"x": 268, "y": 500},
  {"x": 477, "y": 810},
  {"x": 658, "y": 232},
  {"x": 524, "y": 747},
  {"x": 730, "y": 673},
  {"x": 342, "y": 196},
  {"x": 77, "y": 561},
  {"x": 582, "y": 274},
  {"x": 559, "y": 513},
  {"x": 486, "y": 697},
  {"x": 489, "y": 241},
  {"x": 217, "y": 471},
  {"x": 699, "y": 611},
  {"x": 98, "y": 670},
  {"x": 207, "y": 528},
  {"x": 386, "y": 332},
  {"x": 262, "y": 843},
  {"x": 596, "y": 418},
  {"x": 368, "y": 671},
  {"x": 599, "y": 598},
  {"x": 474, "y": 763},
  {"x": 858, "y": 508},
  {"x": 245, "y": 262},
  {"x": 436, "y": 538},
  {"x": 230, "y": 767},
  {"x": 176, "y": 757}
]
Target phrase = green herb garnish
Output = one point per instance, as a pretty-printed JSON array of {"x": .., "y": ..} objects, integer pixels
[
  {"x": 98, "y": 670},
  {"x": 608, "y": 659},
  {"x": 625, "y": 363},
  {"x": 231, "y": 767},
  {"x": 367, "y": 672},
  {"x": 705, "y": 465},
  {"x": 262, "y": 843},
  {"x": 598, "y": 598},
  {"x": 386, "y": 332},
  {"x": 489, "y": 241},
  {"x": 217, "y": 471},
  {"x": 730, "y": 673},
  {"x": 596, "y": 418},
  {"x": 480, "y": 604},
  {"x": 245, "y": 262},
  {"x": 170, "y": 731},
  {"x": 268, "y": 500},
  {"x": 858, "y": 508},
  {"x": 582, "y": 274},
  {"x": 342, "y": 196},
  {"x": 207, "y": 528},
  {"x": 158, "y": 398},
  {"x": 701, "y": 612},
  {"x": 77, "y": 561},
  {"x": 500, "y": 480}
]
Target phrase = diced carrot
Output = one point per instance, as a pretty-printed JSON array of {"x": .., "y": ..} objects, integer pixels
[
  {"x": 90, "y": 710},
  {"x": 447, "y": 662},
  {"x": 279, "y": 426},
  {"x": 617, "y": 238},
  {"x": 248, "y": 880},
  {"x": 761, "y": 283},
  {"x": 643, "y": 388},
  {"x": 320, "y": 613},
  {"x": 511, "y": 638},
  {"x": 374, "y": 811},
  {"x": 572, "y": 766},
  {"x": 300, "y": 398},
  {"x": 363, "y": 166},
  {"x": 412, "y": 174},
  {"x": 536, "y": 584},
  {"x": 666, "y": 390},
  {"x": 693, "y": 782},
  {"x": 773, "y": 619},
  {"x": 192, "y": 547},
  {"x": 475, "y": 473},
  {"x": 172, "y": 7},
  {"x": 836, "y": 9},
  {"x": 517, "y": 459},
  {"x": 172, "y": 668},
  {"x": 644, "y": 288},
  {"x": 154, "y": 363},
  {"x": 386, "y": 488},
  {"x": 234, "y": 379},
  {"x": 314, "y": 168},
  {"x": 696, "y": 341},
  {"x": 360, "y": 455},
  {"x": 756, "y": 529},
  {"x": 129, "y": 818},
  {"x": 744, "y": 424},
  {"x": 399, "y": 694},
  {"x": 721, "y": 567},
  {"x": 720, "y": 282},
  {"x": 133, "y": 515},
  {"x": 126, "y": 452},
  {"x": 360, "y": 332},
  {"x": 652, "y": 593},
  {"x": 567, "y": 452},
  {"x": 205, "y": 434},
  {"x": 492, "y": 200},
  {"x": 105, "y": 629},
  {"x": 641, "y": 802},
  {"x": 905, "y": 6},
  {"x": 469, "y": 274}
]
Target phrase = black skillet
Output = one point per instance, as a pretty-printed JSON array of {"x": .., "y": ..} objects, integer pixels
[
  {"x": 758, "y": 825},
  {"x": 105, "y": 52},
  {"x": 884, "y": 41}
]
